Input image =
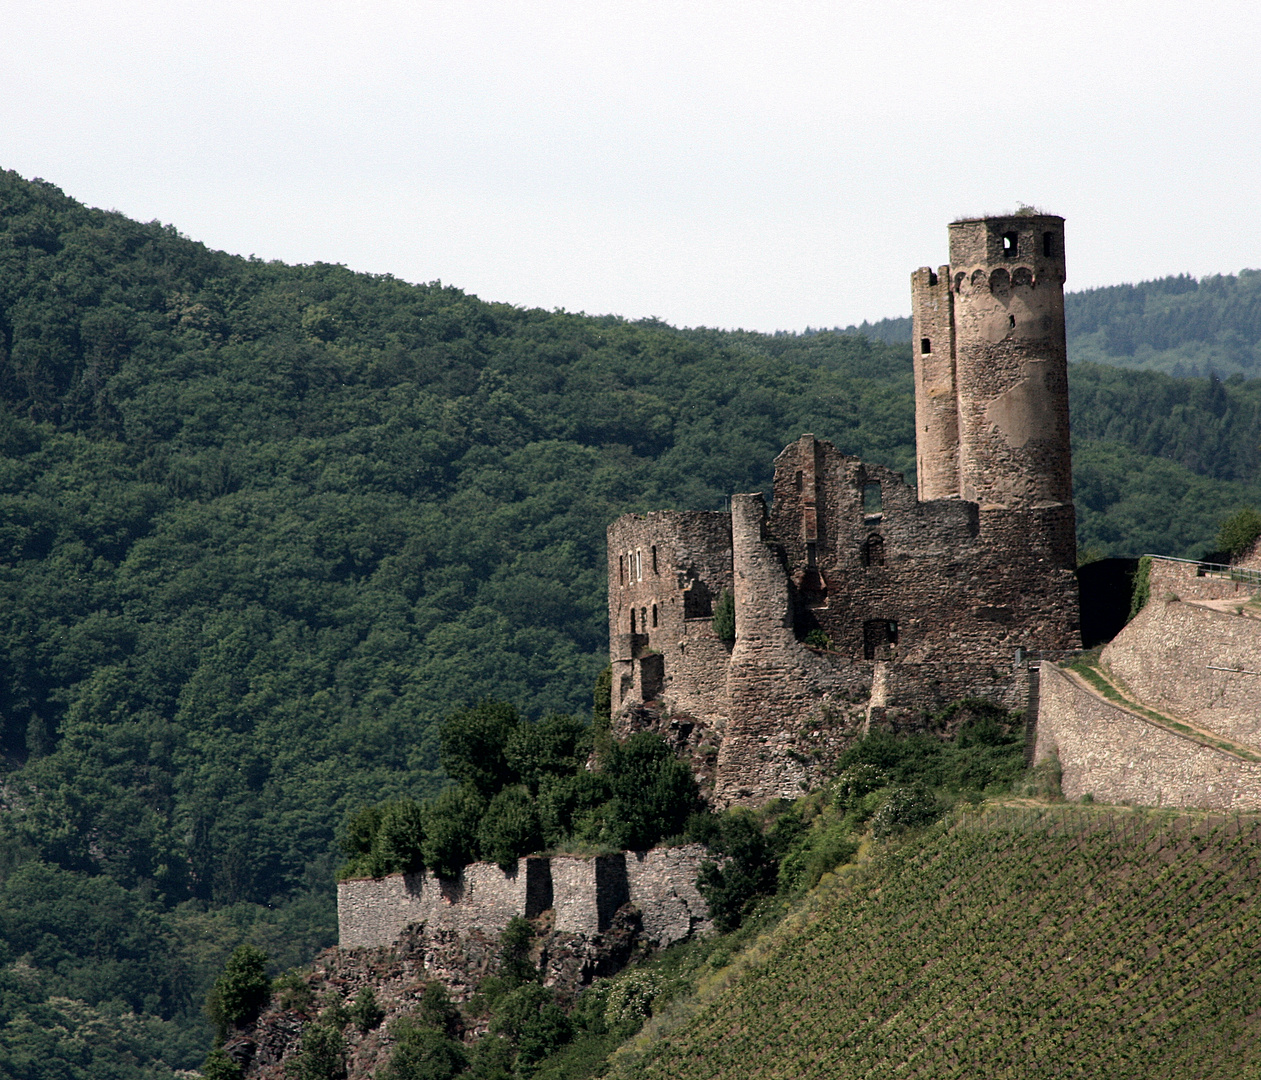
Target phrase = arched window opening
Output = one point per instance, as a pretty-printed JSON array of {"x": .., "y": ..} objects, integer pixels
[
  {"x": 873, "y": 551},
  {"x": 654, "y": 560},
  {"x": 1011, "y": 245},
  {"x": 654, "y": 616}
]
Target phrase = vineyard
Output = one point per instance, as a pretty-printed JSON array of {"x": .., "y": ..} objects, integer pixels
[{"x": 1068, "y": 941}]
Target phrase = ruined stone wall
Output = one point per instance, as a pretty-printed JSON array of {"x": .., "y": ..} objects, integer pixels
[
  {"x": 1117, "y": 756},
  {"x": 1173, "y": 656},
  {"x": 957, "y": 583},
  {"x": 1007, "y": 276},
  {"x": 667, "y": 570},
  {"x": 585, "y": 894}
]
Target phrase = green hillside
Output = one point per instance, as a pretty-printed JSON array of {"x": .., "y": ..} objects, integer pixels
[
  {"x": 1048, "y": 942},
  {"x": 263, "y": 526}
]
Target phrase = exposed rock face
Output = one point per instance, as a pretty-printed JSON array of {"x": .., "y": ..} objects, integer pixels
[{"x": 397, "y": 974}]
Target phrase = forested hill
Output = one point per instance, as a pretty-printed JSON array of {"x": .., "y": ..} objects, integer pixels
[
  {"x": 261, "y": 526},
  {"x": 1179, "y": 325}
]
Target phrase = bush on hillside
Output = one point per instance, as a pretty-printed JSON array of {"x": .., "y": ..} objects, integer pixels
[
  {"x": 241, "y": 991},
  {"x": 1239, "y": 532}
]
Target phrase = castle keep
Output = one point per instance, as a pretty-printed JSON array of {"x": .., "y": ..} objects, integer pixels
[{"x": 859, "y": 600}]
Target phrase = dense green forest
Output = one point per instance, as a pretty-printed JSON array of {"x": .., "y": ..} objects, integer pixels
[{"x": 263, "y": 526}]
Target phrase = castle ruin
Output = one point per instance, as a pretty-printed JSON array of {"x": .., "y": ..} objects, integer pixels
[{"x": 858, "y": 599}]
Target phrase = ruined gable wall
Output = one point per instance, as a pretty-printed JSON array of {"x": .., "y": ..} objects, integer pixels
[
  {"x": 1116, "y": 756},
  {"x": 669, "y": 568}
]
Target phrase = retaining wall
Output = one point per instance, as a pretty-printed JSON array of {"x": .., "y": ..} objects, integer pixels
[{"x": 1117, "y": 756}]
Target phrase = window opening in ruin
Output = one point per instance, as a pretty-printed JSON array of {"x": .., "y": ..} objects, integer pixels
[
  {"x": 621, "y": 569},
  {"x": 879, "y": 635},
  {"x": 639, "y": 565},
  {"x": 925, "y": 346},
  {"x": 654, "y": 616},
  {"x": 932, "y": 278},
  {"x": 632, "y": 622},
  {"x": 873, "y": 551},
  {"x": 812, "y": 553},
  {"x": 1011, "y": 322},
  {"x": 1048, "y": 243},
  {"x": 654, "y": 560},
  {"x": 873, "y": 500},
  {"x": 643, "y": 620},
  {"x": 797, "y": 480},
  {"x": 1011, "y": 244}
]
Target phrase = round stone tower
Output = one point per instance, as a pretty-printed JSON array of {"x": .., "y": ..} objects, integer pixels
[{"x": 1010, "y": 361}]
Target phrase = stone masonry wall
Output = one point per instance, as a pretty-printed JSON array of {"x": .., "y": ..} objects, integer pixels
[
  {"x": 584, "y": 893},
  {"x": 1185, "y": 580},
  {"x": 1117, "y": 756},
  {"x": 1172, "y": 656}
]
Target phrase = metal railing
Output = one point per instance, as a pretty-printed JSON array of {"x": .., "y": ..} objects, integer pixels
[{"x": 1216, "y": 570}]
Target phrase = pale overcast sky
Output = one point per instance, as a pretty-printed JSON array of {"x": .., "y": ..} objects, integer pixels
[{"x": 765, "y": 165}]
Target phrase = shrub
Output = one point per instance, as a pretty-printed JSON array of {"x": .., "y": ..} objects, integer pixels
[
  {"x": 532, "y": 1021},
  {"x": 365, "y": 1012},
  {"x": 654, "y": 792},
  {"x": 568, "y": 804},
  {"x": 472, "y": 746},
  {"x": 421, "y": 1053},
  {"x": 819, "y": 639},
  {"x": 856, "y": 782},
  {"x": 725, "y": 617},
  {"x": 218, "y": 1066},
  {"x": 509, "y": 827},
  {"x": 293, "y": 992},
  {"x": 514, "y": 951},
  {"x": 400, "y": 837},
  {"x": 450, "y": 823},
  {"x": 1239, "y": 532},
  {"x": 732, "y": 886},
  {"x": 241, "y": 991},
  {"x": 905, "y": 808},
  {"x": 321, "y": 1055},
  {"x": 555, "y": 746},
  {"x": 1141, "y": 589}
]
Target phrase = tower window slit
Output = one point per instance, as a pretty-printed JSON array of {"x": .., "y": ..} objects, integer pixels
[
  {"x": 925, "y": 346},
  {"x": 654, "y": 563},
  {"x": 654, "y": 616},
  {"x": 621, "y": 569},
  {"x": 1048, "y": 244}
]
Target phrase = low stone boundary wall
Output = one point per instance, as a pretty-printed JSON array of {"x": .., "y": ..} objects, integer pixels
[
  {"x": 583, "y": 892},
  {"x": 1116, "y": 756},
  {"x": 1184, "y": 580}
]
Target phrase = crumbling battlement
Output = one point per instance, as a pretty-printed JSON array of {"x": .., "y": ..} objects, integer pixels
[{"x": 583, "y": 893}]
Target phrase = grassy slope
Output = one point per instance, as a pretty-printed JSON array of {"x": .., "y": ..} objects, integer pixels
[{"x": 1057, "y": 941}]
